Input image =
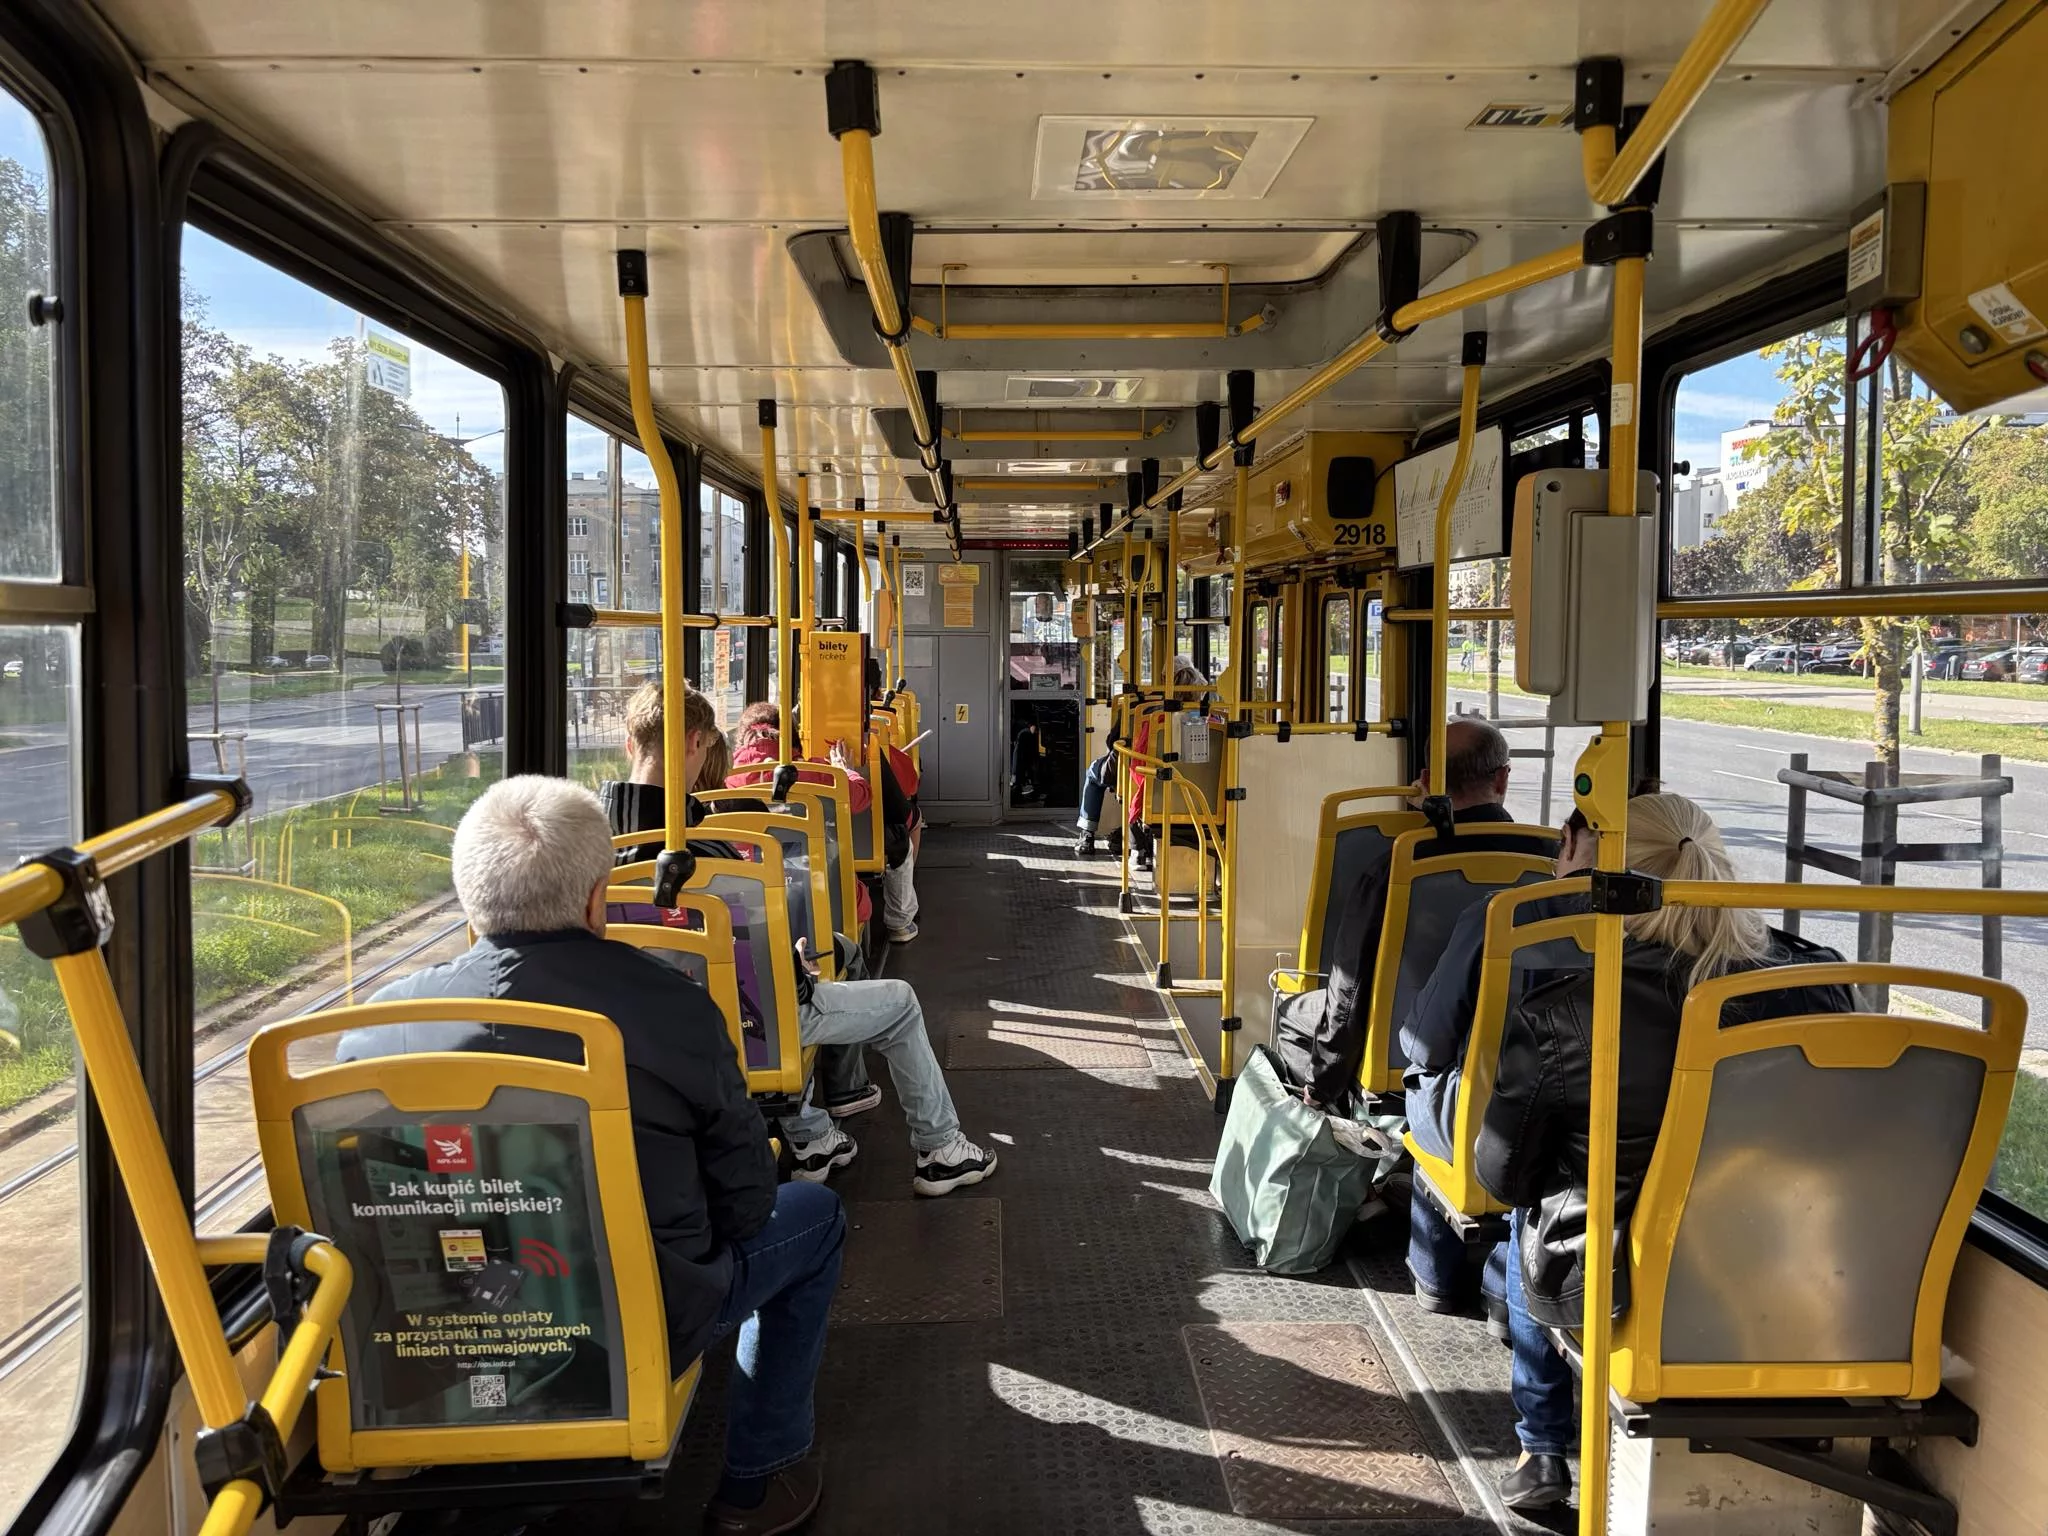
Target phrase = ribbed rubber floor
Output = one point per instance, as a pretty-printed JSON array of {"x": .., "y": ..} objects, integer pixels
[{"x": 1113, "y": 1363}]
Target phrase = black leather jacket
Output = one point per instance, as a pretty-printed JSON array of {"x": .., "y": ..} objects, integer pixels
[{"x": 1532, "y": 1143}]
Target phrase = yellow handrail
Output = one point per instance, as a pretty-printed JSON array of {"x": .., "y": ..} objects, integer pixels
[
  {"x": 639, "y": 385},
  {"x": 1454, "y": 484},
  {"x": 1602, "y": 785},
  {"x": 1431, "y": 306},
  {"x": 177, "y": 1255},
  {"x": 1610, "y": 175},
  {"x": 236, "y": 1505},
  {"x": 785, "y": 683}
]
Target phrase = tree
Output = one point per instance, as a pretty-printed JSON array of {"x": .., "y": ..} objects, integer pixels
[
  {"x": 301, "y": 481},
  {"x": 2007, "y": 478},
  {"x": 28, "y": 522},
  {"x": 1923, "y": 505}
]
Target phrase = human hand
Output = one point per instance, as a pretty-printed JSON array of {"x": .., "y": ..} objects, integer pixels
[
  {"x": 803, "y": 958},
  {"x": 1421, "y": 788},
  {"x": 835, "y": 754}
]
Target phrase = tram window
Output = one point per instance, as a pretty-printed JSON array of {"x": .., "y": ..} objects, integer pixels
[
  {"x": 1219, "y": 634},
  {"x": 1260, "y": 623},
  {"x": 721, "y": 588},
  {"x": 1338, "y": 677},
  {"x": 344, "y": 542},
  {"x": 1843, "y": 693},
  {"x": 639, "y": 502},
  {"x": 1043, "y": 653},
  {"x": 1759, "y": 507},
  {"x": 822, "y": 604},
  {"x": 29, "y": 546},
  {"x": 39, "y": 723}
]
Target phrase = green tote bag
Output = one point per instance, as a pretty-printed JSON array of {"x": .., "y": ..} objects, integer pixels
[{"x": 1290, "y": 1188}]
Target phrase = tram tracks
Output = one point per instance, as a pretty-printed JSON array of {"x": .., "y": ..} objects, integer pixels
[{"x": 48, "y": 1326}]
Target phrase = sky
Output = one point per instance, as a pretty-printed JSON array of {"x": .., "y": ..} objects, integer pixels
[
  {"x": 278, "y": 315},
  {"x": 1717, "y": 399}
]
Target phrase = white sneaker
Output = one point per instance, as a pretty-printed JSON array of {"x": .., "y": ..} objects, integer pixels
[
  {"x": 958, "y": 1162},
  {"x": 904, "y": 934},
  {"x": 812, "y": 1161}
]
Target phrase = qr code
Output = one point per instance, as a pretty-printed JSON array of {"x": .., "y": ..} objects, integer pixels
[{"x": 487, "y": 1391}]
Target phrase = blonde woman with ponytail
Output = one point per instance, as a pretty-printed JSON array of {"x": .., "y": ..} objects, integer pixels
[
  {"x": 1532, "y": 1150},
  {"x": 1673, "y": 839}
]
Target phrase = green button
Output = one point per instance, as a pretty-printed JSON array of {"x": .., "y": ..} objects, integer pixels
[{"x": 1583, "y": 784}]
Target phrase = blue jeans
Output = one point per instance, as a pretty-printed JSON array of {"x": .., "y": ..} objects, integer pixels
[
  {"x": 1436, "y": 1254},
  {"x": 1094, "y": 787},
  {"x": 1541, "y": 1387},
  {"x": 885, "y": 1015},
  {"x": 783, "y": 1280},
  {"x": 1437, "y": 1257}
]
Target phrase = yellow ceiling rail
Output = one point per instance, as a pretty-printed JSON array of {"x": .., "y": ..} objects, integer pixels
[
  {"x": 854, "y": 115},
  {"x": 1044, "y": 483},
  {"x": 1062, "y": 435},
  {"x": 1069, "y": 330},
  {"x": 872, "y": 515},
  {"x": 633, "y": 288},
  {"x": 1431, "y": 306},
  {"x": 1612, "y": 174},
  {"x": 1089, "y": 330}
]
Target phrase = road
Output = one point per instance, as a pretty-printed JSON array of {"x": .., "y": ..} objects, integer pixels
[
  {"x": 299, "y": 750},
  {"x": 1732, "y": 772}
]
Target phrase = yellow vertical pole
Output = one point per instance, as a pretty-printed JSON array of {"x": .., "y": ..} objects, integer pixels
[
  {"x": 674, "y": 746},
  {"x": 1172, "y": 584},
  {"x": 1440, "y": 614},
  {"x": 1603, "y": 768},
  {"x": 779, "y": 536},
  {"x": 1226, "y": 1044},
  {"x": 806, "y": 598},
  {"x": 1127, "y": 663},
  {"x": 896, "y": 587},
  {"x": 117, "y": 1087}
]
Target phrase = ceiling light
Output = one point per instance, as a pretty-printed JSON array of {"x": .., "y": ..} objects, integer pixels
[{"x": 1221, "y": 158}]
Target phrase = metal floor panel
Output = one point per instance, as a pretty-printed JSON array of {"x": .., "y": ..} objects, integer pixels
[
  {"x": 1076, "y": 1410},
  {"x": 1309, "y": 1425},
  {"x": 1024, "y": 1043},
  {"x": 922, "y": 1261}
]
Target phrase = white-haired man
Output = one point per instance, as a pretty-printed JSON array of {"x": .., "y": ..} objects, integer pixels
[{"x": 532, "y": 860}]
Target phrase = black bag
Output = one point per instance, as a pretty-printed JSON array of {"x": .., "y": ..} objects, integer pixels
[{"x": 895, "y": 844}]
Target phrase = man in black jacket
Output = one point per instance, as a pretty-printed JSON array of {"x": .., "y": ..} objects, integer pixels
[
  {"x": 1323, "y": 1034},
  {"x": 532, "y": 859}
]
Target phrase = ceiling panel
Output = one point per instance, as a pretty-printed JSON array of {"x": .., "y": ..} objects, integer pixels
[
  {"x": 1386, "y": 34},
  {"x": 543, "y": 144},
  {"x": 519, "y": 143}
]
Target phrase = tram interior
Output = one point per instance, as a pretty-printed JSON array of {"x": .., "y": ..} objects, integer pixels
[{"x": 1197, "y": 419}]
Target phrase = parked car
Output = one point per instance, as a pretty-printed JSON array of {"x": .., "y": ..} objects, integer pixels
[
  {"x": 317, "y": 660},
  {"x": 2031, "y": 664},
  {"x": 1776, "y": 658},
  {"x": 276, "y": 664},
  {"x": 1992, "y": 667},
  {"x": 1841, "y": 660},
  {"x": 1946, "y": 658}
]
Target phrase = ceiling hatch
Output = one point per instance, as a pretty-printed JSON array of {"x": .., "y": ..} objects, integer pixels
[{"x": 1237, "y": 159}]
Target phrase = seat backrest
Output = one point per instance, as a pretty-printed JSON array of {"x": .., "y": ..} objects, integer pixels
[
  {"x": 1810, "y": 1190},
  {"x": 704, "y": 952},
  {"x": 506, "y": 1290},
  {"x": 753, "y": 890},
  {"x": 869, "y": 839},
  {"x": 1428, "y": 888},
  {"x": 802, "y": 840},
  {"x": 831, "y": 789},
  {"x": 1346, "y": 842}
]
